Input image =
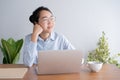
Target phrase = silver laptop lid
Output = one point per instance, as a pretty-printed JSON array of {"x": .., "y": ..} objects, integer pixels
[{"x": 57, "y": 61}]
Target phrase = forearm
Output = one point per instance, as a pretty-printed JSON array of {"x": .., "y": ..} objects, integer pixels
[
  {"x": 34, "y": 37},
  {"x": 29, "y": 53},
  {"x": 37, "y": 30}
]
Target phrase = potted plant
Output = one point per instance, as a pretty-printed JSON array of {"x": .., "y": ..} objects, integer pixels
[
  {"x": 11, "y": 50},
  {"x": 102, "y": 53}
]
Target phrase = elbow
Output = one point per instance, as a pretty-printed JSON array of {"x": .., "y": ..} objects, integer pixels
[{"x": 27, "y": 63}]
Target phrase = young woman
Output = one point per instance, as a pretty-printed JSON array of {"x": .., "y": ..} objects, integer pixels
[{"x": 43, "y": 37}]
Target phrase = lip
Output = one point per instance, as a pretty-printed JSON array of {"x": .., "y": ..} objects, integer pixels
[{"x": 49, "y": 27}]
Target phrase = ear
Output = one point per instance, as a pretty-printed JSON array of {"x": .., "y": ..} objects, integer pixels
[{"x": 35, "y": 23}]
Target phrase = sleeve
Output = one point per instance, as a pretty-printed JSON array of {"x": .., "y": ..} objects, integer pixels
[
  {"x": 29, "y": 52},
  {"x": 67, "y": 44}
]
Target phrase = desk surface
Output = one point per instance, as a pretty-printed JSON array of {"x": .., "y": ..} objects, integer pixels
[{"x": 108, "y": 72}]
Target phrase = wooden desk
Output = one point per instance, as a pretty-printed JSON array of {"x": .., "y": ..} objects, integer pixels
[{"x": 108, "y": 72}]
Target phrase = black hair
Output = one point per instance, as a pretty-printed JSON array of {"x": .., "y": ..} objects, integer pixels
[{"x": 35, "y": 15}]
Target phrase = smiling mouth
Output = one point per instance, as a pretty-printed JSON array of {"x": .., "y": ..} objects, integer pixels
[{"x": 49, "y": 27}]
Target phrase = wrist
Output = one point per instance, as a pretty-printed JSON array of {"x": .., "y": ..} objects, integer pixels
[{"x": 34, "y": 37}]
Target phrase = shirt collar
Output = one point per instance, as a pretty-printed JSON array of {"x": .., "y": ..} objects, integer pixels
[{"x": 51, "y": 37}]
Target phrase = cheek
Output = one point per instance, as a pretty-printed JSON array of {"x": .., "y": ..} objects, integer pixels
[
  {"x": 43, "y": 25},
  {"x": 52, "y": 24}
]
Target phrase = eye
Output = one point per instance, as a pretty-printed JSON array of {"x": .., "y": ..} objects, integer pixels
[
  {"x": 52, "y": 18},
  {"x": 44, "y": 19}
]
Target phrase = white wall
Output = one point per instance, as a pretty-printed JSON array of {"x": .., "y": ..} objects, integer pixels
[{"x": 81, "y": 21}]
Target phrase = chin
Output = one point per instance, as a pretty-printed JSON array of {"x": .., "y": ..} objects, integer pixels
[{"x": 50, "y": 30}]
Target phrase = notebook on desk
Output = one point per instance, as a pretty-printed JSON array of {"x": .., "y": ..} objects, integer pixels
[
  {"x": 56, "y": 61},
  {"x": 12, "y": 73}
]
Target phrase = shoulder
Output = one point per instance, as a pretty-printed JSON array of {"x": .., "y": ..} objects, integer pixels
[
  {"x": 28, "y": 37},
  {"x": 60, "y": 37}
]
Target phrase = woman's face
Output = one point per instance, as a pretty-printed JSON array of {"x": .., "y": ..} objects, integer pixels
[{"x": 46, "y": 21}]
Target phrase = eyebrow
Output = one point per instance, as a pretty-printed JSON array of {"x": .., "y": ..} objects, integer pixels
[{"x": 46, "y": 16}]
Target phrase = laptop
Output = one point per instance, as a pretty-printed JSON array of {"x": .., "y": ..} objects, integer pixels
[{"x": 59, "y": 61}]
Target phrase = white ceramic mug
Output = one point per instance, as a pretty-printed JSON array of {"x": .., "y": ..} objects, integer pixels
[
  {"x": 82, "y": 61},
  {"x": 95, "y": 66}
]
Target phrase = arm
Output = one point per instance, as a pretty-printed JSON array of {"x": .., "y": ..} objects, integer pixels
[
  {"x": 30, "y": 46},
  {"x": 29, "y": 52}
]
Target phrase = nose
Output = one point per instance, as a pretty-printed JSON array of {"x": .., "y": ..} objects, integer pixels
[{"x": 49, "y": 21}]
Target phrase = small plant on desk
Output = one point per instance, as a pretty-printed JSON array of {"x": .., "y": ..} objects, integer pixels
[
  {"x": 102, "y": 53},
  {"x": 11, "y": 50}
]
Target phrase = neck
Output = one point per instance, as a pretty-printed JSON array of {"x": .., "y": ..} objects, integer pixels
[{"x": 44, "y": 36}]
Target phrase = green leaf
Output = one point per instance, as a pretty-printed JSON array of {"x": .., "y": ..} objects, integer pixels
[
  {"x": 5, "y": 48},
  {"x": 118, "y": 54},
  {"x": 5, "y": 61},
  {"x": 11, "y": 41},
  {"x": 16, "y": 58},
  {"x": 19, "y": 44},
  {"x": 118, "y": 65}
]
